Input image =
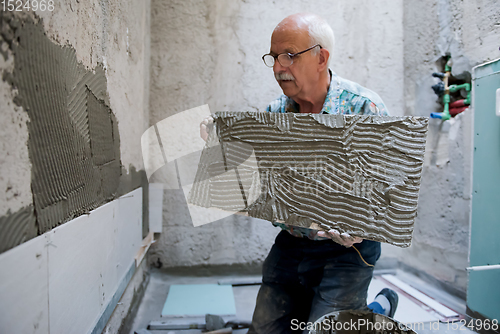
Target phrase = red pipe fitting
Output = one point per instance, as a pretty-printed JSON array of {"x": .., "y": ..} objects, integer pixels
[
  {"x": 456, "y": 104},
  {"x": 456, "y": 111}
]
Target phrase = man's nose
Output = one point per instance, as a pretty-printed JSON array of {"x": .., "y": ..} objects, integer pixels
[{"x": 277, "y": 68}]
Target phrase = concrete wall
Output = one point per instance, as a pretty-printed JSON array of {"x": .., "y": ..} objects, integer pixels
[
  {"x": 210, "y": 52},
  {"x": 113, "y": 34},
  {"x": 470, "y": 32}
]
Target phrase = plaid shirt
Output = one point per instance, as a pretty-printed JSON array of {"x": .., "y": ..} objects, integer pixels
[{"x": 343, "y": 97}]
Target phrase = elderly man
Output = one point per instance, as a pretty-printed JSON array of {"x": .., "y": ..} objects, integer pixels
[{"x": 307, "y": 275}]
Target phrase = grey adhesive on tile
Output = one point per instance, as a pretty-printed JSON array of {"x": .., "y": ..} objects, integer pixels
[{"x": 358, "y": 174}]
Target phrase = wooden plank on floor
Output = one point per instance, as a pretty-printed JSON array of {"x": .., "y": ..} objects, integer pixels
[{"x": 438, "y": 307}]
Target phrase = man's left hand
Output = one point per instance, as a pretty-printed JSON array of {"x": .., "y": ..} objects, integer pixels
[
  {"x": 205, "y": 125},
  {"x": 344, "y": 239}
]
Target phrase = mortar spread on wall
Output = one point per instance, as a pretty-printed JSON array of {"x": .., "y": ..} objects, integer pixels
[
  {"x": 74, "y": 144},
  {"x": 357, "y": 174}
]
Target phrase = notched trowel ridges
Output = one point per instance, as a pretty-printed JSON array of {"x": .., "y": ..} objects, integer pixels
[
  {"x": 358, "y": 174},
  {"x": 73, "y": 143}
]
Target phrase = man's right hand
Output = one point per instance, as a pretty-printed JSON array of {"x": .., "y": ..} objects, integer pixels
[
  {"x": 344, "y": 239},
  {"x": 205, "y": 125}
]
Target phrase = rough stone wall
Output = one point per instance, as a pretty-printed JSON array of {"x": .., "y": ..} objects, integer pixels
[
  {"x": 14, "y": 160},
  {"x": 112, "y": 34},
  {"x": 210, "y": 52},
  {"x": 470, "y": 32}
]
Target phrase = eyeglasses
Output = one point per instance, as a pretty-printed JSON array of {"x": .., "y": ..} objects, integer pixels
[{"x": 285, "y": 59}]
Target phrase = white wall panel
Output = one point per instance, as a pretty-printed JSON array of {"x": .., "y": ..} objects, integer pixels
[
  {"x": 24, "y": 288},
  {"x": 66, "y": 280}
]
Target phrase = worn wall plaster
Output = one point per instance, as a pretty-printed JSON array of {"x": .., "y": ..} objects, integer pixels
[
  {"x": 87, "y": 58},
  {"x": 74, "y": 144},
  {"x": 470, "y": 32},
  {"x": 15, "y": 190},
  {"x": 107, "y": 40},
  {"x": 115, "y": 34}
]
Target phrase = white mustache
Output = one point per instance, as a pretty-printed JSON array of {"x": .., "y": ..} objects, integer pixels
[{"x": 284, "y": 76}]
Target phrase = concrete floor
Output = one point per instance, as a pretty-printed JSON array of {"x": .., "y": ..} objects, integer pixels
[
  {"x": 408, "y": 311},
  {"x": 157, "y": 291}
]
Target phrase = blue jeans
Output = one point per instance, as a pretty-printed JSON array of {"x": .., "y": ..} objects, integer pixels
[{"x": 305, "y": 279}]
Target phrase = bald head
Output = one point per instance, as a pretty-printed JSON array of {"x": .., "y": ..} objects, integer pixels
[
  {"x": 302, "y": 72},
  {"x": 317, "y": 30}
]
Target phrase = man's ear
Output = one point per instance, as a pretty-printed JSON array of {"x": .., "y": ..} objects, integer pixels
[{"x": 324, "y": 55}]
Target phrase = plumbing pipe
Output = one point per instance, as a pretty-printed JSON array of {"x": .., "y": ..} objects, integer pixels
[
  {"x": 438, "y": 75},
  {"x": 466, "y": 86},
  {"x": 441, "y": 115},
  {"x": 457, "y": 107},
  {"x": 451, "y": 109},
  {"x": 438, "y": 88},
  {"x": 458, "y": 110},
  {"x": 458, "y": 103},
  {"x": 486, "y": 267},
  {"x": 445, "y": 115}
]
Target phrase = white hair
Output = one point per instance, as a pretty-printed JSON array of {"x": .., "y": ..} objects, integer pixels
[{"x": 320, "y": 33}]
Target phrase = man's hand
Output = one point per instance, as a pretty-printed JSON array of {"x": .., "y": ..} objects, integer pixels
[
  {"x": 344, "y": 239},
  {"x": 204, "y": 127}
]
